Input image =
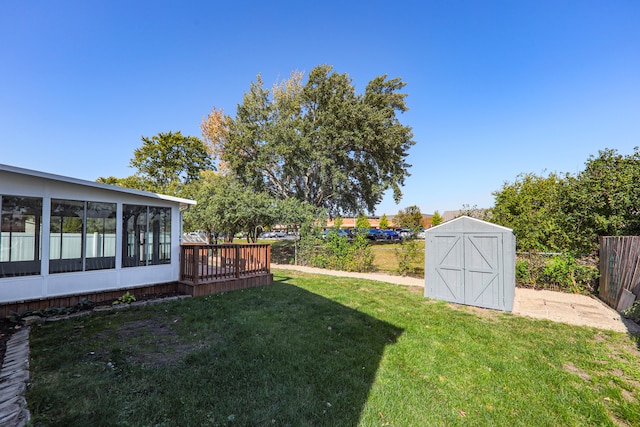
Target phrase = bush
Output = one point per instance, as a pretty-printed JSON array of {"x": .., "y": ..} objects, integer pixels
[
  {"x": 560, "y": 272},
  {"x": 633, "y": 312},
  {"x": 337, "y": 253},
  {"x": 407, "y": 255}
]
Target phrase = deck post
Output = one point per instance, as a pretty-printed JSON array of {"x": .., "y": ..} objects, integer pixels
[
  {"x": 237, "y": 261},
  {"x": 196, "y": 264},
  {"x": 183, "y": 257},
  {"x": 268, "y": 258}
]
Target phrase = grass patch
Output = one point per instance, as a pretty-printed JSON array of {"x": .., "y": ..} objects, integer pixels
[
  {"x": 319, "y": 350},
  {"x": 386, "y": 259}
]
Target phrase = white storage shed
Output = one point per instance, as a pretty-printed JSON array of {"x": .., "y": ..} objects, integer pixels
[{"x": 471, "y": 262}]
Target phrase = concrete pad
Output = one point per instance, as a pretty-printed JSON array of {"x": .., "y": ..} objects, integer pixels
[{"x": 574, "y": 309}]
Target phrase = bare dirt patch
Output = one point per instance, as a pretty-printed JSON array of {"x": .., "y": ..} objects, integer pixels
[
  {"x": 416, "y": 290},
  {"x": 152, "y": 342},
  {"x": 570, "y": 367},
  {"x": 628, "y": 396}
]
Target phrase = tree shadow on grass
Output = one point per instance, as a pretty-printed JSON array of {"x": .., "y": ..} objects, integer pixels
[
  {"x": 312, "y": 363},
  {"x": 275, "y": 355}
]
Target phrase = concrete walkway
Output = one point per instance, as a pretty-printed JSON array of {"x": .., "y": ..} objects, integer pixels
[{"x": 574, "y": 309}]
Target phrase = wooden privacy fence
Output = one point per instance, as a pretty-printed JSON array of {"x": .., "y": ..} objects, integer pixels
[
  {"x": 212, "y": 263},
  {"x": 619, "y": 271}
]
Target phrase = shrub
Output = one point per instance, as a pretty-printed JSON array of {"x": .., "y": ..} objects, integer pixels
[
  {"x": 523, "y": 273},
  {"x": 407, "y": 255},
  {"x": 565, "y": 273},
  {"x": 559, "y": 272},
  {"x": 360, "y": 257},
  {"x": 337, "y": 253},
  {"x": 633, "y": 312},
  {"x": 126, "y": 298}
]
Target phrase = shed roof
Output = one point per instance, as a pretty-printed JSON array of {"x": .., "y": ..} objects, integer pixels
[
  {"x": 467, "y": 224},
  {"x": 66, "y": 179}
]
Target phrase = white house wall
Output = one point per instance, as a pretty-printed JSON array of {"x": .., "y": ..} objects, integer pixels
[{"x": 46, "y": 285}]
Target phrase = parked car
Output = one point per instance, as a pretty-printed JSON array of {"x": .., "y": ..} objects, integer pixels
[
  {"x": 391, "y": 235},
  {"x": 405, "y": 233},
  {"x": 421, "y": 233},
  {"x": 341, "y": 233},
  {"x": 375, "y": 234}
]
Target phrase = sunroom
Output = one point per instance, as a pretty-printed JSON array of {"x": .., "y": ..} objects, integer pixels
[{"x": 66, "y": 236}]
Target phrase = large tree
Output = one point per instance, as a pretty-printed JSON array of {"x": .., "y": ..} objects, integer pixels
[
  {"x": 318, "y": 142},
  {"x": 436, "y": 219},
  {"x": 170, "y": 160},
  {"x": 226, "y": 207},
  {"x": 384, "y": 222},
  {"x": 410, "y": 217},
  {"x": 132, "y": 181},
  {"x": 165, "y": 163}
]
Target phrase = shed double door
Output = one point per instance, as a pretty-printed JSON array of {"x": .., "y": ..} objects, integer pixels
[{"x": 468, "y": 269}]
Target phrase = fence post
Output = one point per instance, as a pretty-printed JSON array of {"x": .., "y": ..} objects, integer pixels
[{"x": 237, "y": 261}]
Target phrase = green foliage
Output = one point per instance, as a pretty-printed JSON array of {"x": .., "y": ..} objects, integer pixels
[
  {"x": 84, "y": 304},
  {"x": 410, "y": 217},
  {"x": 126, "y": 298},
  {"x": 602, "y": 200},
  {"x": 362, "y": 222},
  {"x": 529, "y": 206},
  {"x": 169, "y": 160},
  {"x": 436, "y": 219},
  {"x": 134, "y": 181},
  {"x": 297, "y": 215},
  {"x": 319, "y": 141},
  {"x": 562, "y": 273},
  {"x": 226, "y": 207},
  {"x": 407, "y": 255},
  {"x": 524, "y": 274},
  {"x": 337, "y": 223},
  {"x": 566, "y": 213},
  {"x": 633, "y": 312},
  {"x": 338, "y": 253},
  {"x": 384, "y": 222},
  {"x": 165, "y": 163}
]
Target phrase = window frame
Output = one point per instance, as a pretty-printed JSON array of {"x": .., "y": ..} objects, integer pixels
[{"x": 20, "y": 267}]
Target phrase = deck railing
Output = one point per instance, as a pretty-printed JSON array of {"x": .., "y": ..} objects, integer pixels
[{"x": 210, "y": 263}]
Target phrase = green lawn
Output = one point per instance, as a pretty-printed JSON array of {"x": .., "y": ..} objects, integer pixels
[
  {"x": 317, "y": 350},
  {"x": 386, "y": 260}
]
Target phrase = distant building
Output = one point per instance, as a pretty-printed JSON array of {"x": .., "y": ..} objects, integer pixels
[{"x": 374, "y": 221}]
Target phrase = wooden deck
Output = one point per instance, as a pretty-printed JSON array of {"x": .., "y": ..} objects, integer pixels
[
  {"x": 204, "y": 270},
  {"x": 207, "y": 269}
]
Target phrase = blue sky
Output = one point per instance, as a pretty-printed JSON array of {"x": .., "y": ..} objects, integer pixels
[{"x": 496, "y": 88}]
